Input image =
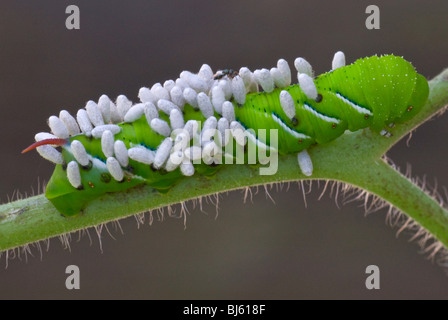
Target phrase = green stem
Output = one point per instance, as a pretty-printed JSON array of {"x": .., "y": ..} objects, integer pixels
[
  {"x": 353, "y": 158},
  {"x": 407, "y": 197}
]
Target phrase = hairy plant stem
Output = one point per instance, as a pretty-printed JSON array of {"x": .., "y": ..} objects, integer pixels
[{"x": 354, "y": 158}]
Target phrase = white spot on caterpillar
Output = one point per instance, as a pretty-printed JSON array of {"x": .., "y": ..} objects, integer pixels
[
  {"x": 191, "y": 127},
  {"x": 226, "y": 88},
  {"x": 123, "y": 105},
  {"x": 238, "y": 89},
  {"x": 238, "y": 132},
  {"x": 338, "y": 60},
  {"x": 305, "y": 163},
  {"x": 121, "y": 153},
  {"x": 210, "y": 149},
  {"x": 211, "y": 153},
  {"x": 181, "y": 84},
  {"x": 73, "y": 174},
  {"x": 353, "y": 105},
  {"x": 150, "y": 112},
  {"x": 207, "y": 160},
  {"x": 84, "y": 122},
  {"x": 205, "y": 105},
  {"x": 97, "y": 132},
  {"x": 194, "y": 81},
  {"x": 177, "y": 96},
  {"x": 160, "y": 92},
  {"x": 193, "y": 153},
  {"x": 163, "y": 152},
  {"x": 190, "y": 97},
  {"x": 44, "y": 135},
  {"x": 307, "y": 85},
  {"x": 176, "y": 119},
  {"x": 169, "y": 84},
  {"x": 303, "y": 67},
  {"x": 94, "y": 113},
  {"x": 114, "y": 115},
  {"x": 287, "y": 103},
  {"x": 205, "y": 72},
  {"x": 228, "y": 111},
  {"x": 249, "y": 79},
  {"x": 79, "y": 152},
  {"x": 289, "y": 130},
  {"x": 107, "y": 143},
  {"x": 265, "y": 79},
  {"x": 166, "y": 106},
  {"x": 145, "y": 95},
  {"x": 319, "y": 115},
  {"x": 208, "y": 130},
  {"x": 58, "y": 127},
  {"x": 218, "y": 98},
  {"x": 114, "y": 169},
  {"x": 141, "y": 154},
  {"x": 135, "y": 113},
  {"x": 187, "y": 168},
  {"x": 160, "y": 126},
  {"x": 223, "y": 126},
  {"x": 277, "y": 76},
  {"x": 283, "y": 66},
  {"x": 182, "y": 139},
  {"x": 174, "y": 160},
  {"x": 51, "y": 154},
  {"x": 70, "y": 122}
]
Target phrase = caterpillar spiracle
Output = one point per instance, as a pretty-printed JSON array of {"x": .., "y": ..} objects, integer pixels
[{"x": 194, "y": 124}]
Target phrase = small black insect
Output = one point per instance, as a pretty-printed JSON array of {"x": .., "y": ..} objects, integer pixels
[{"x": 226, "y": 72}]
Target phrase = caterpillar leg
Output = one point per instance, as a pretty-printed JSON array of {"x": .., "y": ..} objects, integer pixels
[{"x": 305, "y": 163}]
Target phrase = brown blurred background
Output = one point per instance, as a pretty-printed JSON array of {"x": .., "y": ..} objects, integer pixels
[{"x": 258, "y": 250}]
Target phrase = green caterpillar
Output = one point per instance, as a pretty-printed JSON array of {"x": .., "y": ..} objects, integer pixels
[{"x": 111, "y": 147}]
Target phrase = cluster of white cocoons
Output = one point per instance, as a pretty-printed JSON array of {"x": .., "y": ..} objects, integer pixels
[{"x": 205, "y": 91}]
